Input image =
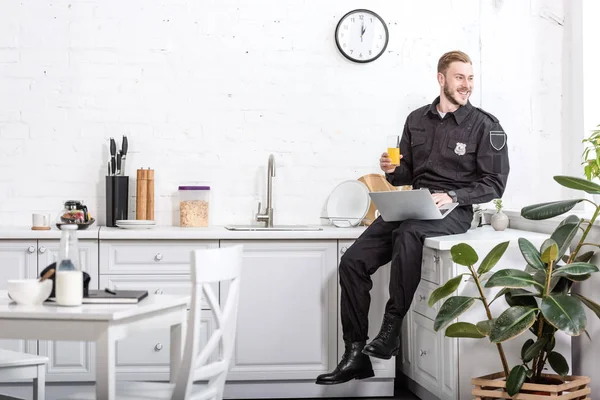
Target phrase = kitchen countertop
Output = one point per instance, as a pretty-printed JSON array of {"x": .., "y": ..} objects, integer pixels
[
  {"x": 482, "y": 234},
  {"x": 220, "y": 233},
  {"x": 25, "y": 232}
]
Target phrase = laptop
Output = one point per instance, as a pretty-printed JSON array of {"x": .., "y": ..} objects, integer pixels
[{"x": 400, "y": 205}]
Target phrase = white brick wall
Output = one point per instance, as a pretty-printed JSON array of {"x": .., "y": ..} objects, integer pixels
[{"x": 206, "y": 90}]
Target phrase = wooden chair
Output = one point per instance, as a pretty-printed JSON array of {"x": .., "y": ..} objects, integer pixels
[
  {"x": 17, "y": 366},
  {"x": 208, "y": 266}
]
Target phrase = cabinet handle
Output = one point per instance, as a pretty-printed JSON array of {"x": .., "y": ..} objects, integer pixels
[
  {"x": 158, "y": 347},
  {"x": 158, "y": 257},
  {"x": 436, "y": 259},
  {"x": 158, "y": 291},
  {"x": 423, "y": 353},
  {"x": 343, "y": 249},
  {"x": 42, "y": 249},
  {"x": 31, "y": 249}
]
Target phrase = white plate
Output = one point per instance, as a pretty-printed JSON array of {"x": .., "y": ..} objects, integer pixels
[
  {"x": 135, "y": 226},
  {"x": 135, "y": 222},
  {"x": 348, "y": 203}
]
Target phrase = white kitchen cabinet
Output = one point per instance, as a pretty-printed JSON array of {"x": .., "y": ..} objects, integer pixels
[
  {"x": 379, "y": 298},
  {"x": 287, "y": 319},
  {"x": 69, "y": 361},
  {"x": 18, "y": 260},
  {"x": 146, "y": 356},
  {"x": 149, "y": 256},
  {"x": 441, "y": 367}
]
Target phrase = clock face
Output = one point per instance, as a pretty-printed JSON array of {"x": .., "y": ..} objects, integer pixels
[{"x": 361, "y": 36}]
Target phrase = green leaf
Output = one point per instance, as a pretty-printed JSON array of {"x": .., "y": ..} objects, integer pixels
[
  {"x": 578, "y": 184},
  {"x": 535, "y": 349},
  {"x": 464, "y": 254},
  {"x": 464, "y": 330},
  {"x": 511, "y": 323},
  {"x": 563, "y": 286},
  {"x": 551, "y": 343},
  {"x": 485, "y": 326},
  {"x": 565, "y": 313},
  {"x": 517, "y": 299},
  {"x": 451, "y": 309},
  {"x": 548, "y": 210},
  {"x": 558, "y": 363},
  {"x": 531, "y": 254},
  {"x": 512, "y": 278},
  {"x": 579, "y": 278},
  {"x": 492, "y": 258},
  {"x": 528, "y": 343},
  {"x": 585, "y": 257},
  {"x": 565, "y": 232},
  {"x": 577, "y": 268},
  {"x": 590, "y": 304},
  {"x": 445, "y": 291},
  {"x": 515, "y": 380},
  {"x": 549, "y": 251}
]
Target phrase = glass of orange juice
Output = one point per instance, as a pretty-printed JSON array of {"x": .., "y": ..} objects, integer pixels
[{"x": 393, "y": 149}]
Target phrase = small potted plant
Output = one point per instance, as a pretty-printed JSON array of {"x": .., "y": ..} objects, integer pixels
[
  {"x": 499, "y": 219},
  {"x": 541, "y": 300}
]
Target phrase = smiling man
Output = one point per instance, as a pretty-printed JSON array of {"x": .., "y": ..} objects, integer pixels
[{"x": 459, "y": 153}]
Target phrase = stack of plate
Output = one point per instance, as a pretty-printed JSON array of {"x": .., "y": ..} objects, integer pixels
[{"x": 135, "y": 223}]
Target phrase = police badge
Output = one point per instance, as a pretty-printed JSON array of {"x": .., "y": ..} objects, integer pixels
[
  {"x": 498, "y": 139},
  {"x": 460, "y": 149}
]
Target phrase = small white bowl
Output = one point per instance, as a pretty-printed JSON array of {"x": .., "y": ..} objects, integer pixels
[{"x": 29, "y": 291}]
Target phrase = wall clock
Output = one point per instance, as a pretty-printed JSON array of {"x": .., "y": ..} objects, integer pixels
[{"x": 361, "y": 36}]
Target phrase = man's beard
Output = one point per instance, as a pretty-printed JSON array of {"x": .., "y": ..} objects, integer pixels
[{"x": 449, "y": 95}]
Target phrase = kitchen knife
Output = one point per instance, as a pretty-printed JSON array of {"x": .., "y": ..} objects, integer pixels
[
  {"x": 119, "y": 170},
  {"x": 124, "y": 147},
  {"x": 113, "y": 153}
]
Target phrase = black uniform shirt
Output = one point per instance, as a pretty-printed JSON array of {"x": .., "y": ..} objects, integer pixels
[{"x": 466, "y": 151}]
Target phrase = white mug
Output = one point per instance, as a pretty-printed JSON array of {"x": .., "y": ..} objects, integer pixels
[{"x": 41, "y": 220}]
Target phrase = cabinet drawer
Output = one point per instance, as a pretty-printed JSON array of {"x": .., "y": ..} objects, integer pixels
[
  {"x": 155, "y": 285},
  {"x": 422, "y": 297},
  {"x": 431, "y": 265},
  {"x": 149, "y": 257},
  {"x": 147, "y": 355},
  {"x": 426, "y": 358}
]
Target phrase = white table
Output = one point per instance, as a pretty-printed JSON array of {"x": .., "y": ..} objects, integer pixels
[{"x": 104, "y": 324}]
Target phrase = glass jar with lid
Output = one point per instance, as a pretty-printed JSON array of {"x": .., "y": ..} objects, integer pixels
[{"x": 193, "y": 206}]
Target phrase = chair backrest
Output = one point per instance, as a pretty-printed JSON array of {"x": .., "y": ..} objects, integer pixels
[{"x": 209, "y": 266}]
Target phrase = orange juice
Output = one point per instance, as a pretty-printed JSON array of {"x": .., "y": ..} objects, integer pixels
[{"x": 394, "y": 154}]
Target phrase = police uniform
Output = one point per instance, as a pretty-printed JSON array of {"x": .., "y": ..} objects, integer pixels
[{"x": 463, "y": 154}]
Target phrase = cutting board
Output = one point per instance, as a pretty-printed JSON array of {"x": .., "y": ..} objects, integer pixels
[{"x": 375, "y": 183}]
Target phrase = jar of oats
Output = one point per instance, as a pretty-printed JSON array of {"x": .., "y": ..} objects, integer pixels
[{"x": 193, "y": 206}]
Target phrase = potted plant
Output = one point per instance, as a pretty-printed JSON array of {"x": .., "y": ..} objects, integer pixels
[
  {"x": 540, "y": 300},
  {"x": 499, "y": 219}
]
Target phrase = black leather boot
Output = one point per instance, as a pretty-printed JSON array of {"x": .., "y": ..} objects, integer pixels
[
  {"x": 354, "y": 365},
  {"x": 387, "y": 342}
]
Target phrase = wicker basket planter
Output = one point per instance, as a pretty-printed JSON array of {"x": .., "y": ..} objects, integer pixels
[{"x": 493, "y": 386}]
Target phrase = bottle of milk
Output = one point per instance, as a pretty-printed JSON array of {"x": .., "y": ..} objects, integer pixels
[{"x": 69, "y": 278}]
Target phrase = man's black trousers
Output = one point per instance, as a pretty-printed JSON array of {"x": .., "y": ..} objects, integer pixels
[{"x": 382, "y": 242}]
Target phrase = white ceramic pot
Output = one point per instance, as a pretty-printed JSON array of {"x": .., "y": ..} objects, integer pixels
[{"x": 499, "y": 221}]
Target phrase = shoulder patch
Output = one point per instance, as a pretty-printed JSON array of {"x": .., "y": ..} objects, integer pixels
[{"x": 488, "y": 114}]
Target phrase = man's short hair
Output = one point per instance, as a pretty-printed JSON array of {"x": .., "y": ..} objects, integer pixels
[{"x": 450, "y": 57}]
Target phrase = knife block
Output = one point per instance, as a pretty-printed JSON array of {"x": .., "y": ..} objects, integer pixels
[{"x": 117, "y": 199}]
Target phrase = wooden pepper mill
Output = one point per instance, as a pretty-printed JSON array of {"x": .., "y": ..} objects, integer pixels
[{"x": 145, "y": 194}]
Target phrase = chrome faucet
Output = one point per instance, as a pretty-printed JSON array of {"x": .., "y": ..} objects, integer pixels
[{"x": 267, "y": 217}]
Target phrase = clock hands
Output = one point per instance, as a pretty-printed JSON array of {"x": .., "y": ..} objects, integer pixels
[{"x": 362, "y": 31}]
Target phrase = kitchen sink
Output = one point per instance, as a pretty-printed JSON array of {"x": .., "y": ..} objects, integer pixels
[{"x": 273, "y": 228}]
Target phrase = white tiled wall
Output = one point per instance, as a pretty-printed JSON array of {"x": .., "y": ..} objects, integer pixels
[{"x": 207, "y": 89}]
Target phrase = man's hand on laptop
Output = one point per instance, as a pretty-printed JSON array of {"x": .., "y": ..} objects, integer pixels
[
  {"x": 385, "y": 163},
  {"x": 441, "y": 199}
]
